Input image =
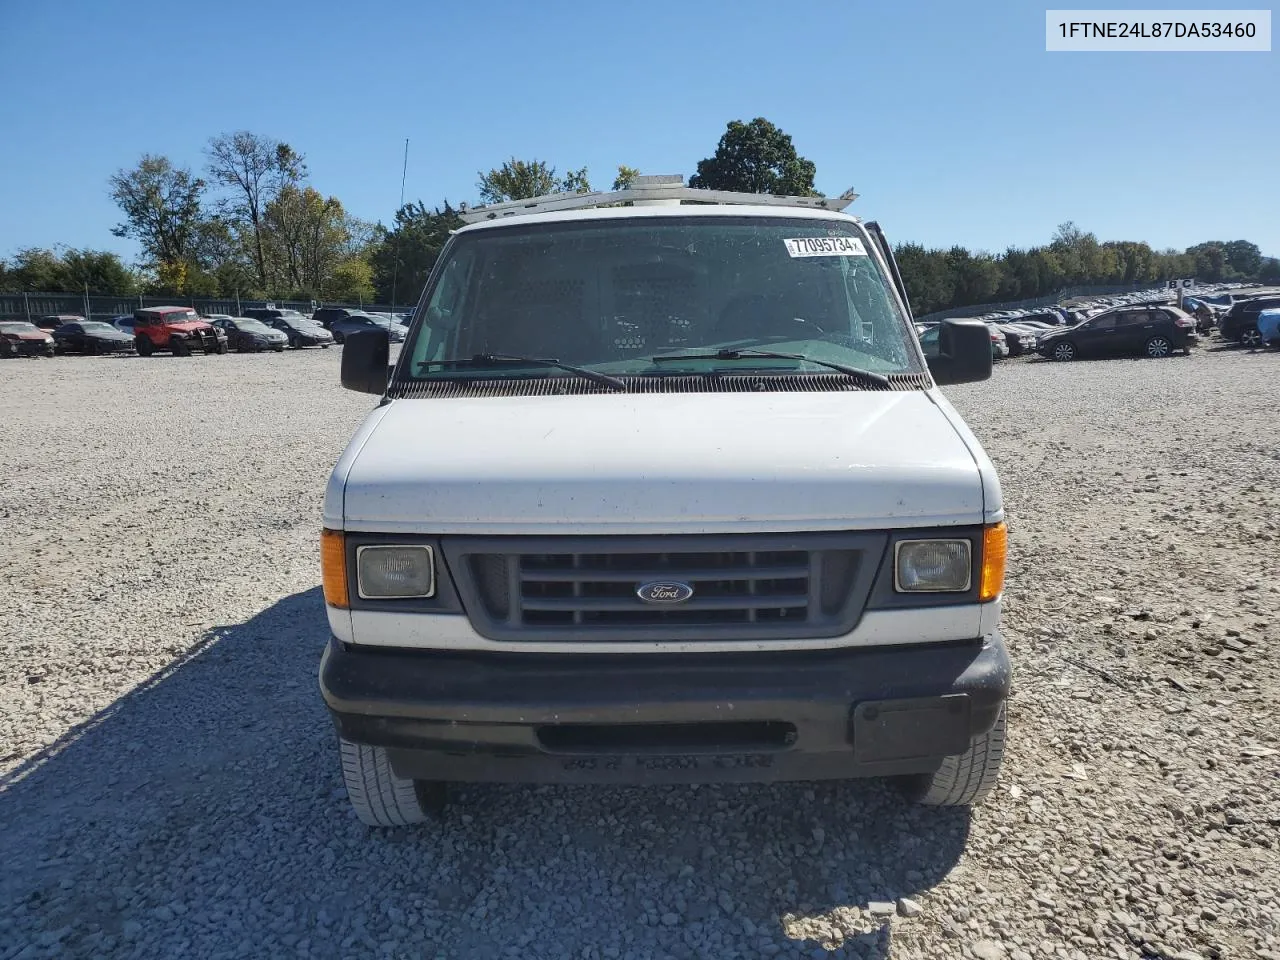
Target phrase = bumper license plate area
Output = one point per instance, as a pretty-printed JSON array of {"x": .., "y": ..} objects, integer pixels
[{"x": 915, "y": 728}]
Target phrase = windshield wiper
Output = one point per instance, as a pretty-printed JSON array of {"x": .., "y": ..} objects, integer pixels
[
  {"x": 876, "y": 378},
  {"x": 499, "y": 359}
]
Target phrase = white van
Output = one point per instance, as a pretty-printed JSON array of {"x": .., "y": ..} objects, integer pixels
[{"x": 663, "y": 492}]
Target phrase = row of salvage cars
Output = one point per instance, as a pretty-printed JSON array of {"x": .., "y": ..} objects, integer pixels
[
  {"x": 1140, "y": 324},
  {"x": 180, "y": 331}
]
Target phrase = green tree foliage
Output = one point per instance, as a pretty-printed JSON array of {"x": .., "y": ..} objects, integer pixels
[
  {"x": 756, "y": 157},
  {"x": 161, "y": 206},
  {"x": 255, "y": 169},
  {"x": 350, "y": 281},
  {"x": 626, "y": 177},
  {"x": 942, "y": 279},
  {"x": 523, "y": 179},
  {"x": 403, "y": 258},
  {"x": 99, "y": 271},
  {"x": 1243, "y": 257},
  {"x": 70, "y": 271},
  {"x": 306, "y": 234},
  {"x": 35, "y": 268}
]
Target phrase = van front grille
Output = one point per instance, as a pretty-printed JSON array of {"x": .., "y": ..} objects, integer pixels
[{"x": 662, "y": 588}]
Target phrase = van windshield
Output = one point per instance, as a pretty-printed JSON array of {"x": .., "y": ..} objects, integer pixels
[{"x": 611, "y": 295}]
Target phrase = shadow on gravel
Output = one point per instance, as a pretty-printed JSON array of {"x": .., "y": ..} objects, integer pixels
[{"x": 202, "y": 815}]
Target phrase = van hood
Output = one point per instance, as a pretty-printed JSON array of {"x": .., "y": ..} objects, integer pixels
[{"x": 662, "y": 463}]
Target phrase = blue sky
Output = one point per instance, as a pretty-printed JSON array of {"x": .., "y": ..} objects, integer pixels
[{"x": 951, "y": 120}]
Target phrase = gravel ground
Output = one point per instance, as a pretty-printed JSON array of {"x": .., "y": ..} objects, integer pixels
[{"x": 169, "y": 783}]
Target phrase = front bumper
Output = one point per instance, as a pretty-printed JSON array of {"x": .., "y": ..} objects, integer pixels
[
  {"x": 31, "y": 348},
  {"x": 795, "y": 715}
]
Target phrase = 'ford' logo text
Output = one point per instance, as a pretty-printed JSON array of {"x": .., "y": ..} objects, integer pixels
[{"x": 664, "y": 591}]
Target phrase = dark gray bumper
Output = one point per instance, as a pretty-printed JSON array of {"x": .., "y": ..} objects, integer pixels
[{"x": 801, "y": 715}]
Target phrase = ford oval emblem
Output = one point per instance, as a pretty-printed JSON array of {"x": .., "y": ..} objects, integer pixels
[{"x": 664, "y": 591}]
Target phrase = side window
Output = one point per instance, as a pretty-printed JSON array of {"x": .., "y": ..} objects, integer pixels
[
  {"x": 1105, "y": 322},
  {"x": 1132, "y": 318}
]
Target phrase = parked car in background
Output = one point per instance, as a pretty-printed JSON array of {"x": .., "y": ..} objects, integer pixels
[
  {"x": 176, "y": 329},
  {"x": 54, "y": 321},
  {"x": 327, "y": 316},
  {"x": 19, "y": 338},
  {"x": 124, "y": 324},
  {"x": 299, "y": 330},
  {"x": 248, "y": 335},
  {"x": 999, "y": 343},
  {"x": 91, "y": 337},
  {"x": 1018, "y": 338},
  {"x": 1269, "y": 327},
  {"x": 362, "y": 321},
  {"x": 1146, "y": 330},
  {"x": 1240, "y": 323}
]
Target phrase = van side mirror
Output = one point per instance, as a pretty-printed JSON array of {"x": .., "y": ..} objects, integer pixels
[
  {"x": 366, "y": 356},
  {"x": 964, "y": 352}
]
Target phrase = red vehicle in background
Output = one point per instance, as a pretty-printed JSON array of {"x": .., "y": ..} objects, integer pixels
[{"x": 176, "y": 329}]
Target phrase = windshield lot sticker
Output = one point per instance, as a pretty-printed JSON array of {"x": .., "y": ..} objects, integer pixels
[{"x": 825, "y": 247}]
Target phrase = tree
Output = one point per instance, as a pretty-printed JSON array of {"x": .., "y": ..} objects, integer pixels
[
  {"x": 976, "y": 276},
  {"x": 1210, "y": 262},
  {"x": 161, "y": 205},
  {"x": 306, "y": 235},
  {"x": 1243, "y": 257},
  {"x": 349, "y": 281},
  {"x": 928, "y": 279},
  {"x": 756, "y": 157},
  {"x": 626, "y": 177},
  {"x": 221, "y": 254},
  {"x": 524, "y": 179},
  {"x": 37, "y": 269},
  {"x": 255, "y": 169},
  {"x": 403, "y": 259},
  {"x": 100, "y": 271},
  {"x": 1269, "y": 270}
]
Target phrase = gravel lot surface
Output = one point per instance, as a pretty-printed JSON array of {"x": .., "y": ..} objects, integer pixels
[{"x": 169, "y": 783}]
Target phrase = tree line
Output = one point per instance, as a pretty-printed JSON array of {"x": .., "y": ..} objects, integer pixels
[{"x": 249, "y": 224}]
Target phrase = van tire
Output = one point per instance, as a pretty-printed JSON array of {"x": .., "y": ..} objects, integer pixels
[
  {"x": 378, "y": 796},
  {"x": 967, "y": 778}
]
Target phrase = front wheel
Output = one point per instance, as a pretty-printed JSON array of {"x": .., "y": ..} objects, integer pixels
[
  {"x": 1064, "y": 352},
  {"x": 278, "y": 349},
  {"x": 965, "y": 779},
  {"x": 1158, "y": 347},
  {"x": 378, "y": 796},
  {"x": 179, "y": 348},
  {"x": 1251, "y": 338}
]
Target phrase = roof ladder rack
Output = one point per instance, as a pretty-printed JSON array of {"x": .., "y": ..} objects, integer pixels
[{"x": 647, "y": 191}]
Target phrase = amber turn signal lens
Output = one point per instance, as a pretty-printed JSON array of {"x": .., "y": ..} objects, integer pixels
[
  {"x": 333, "y": 567},
  {"x": 995, "y": 549}
]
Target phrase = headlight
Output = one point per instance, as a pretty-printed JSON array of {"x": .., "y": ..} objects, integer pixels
[
  {"x": 932, "y": 566},
  {"x": 395, "y": 571}
]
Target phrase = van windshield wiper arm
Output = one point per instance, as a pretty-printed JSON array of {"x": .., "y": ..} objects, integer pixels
[
  {"x": 500, "y": 359},
  {"x": 876, "y": 378}
]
